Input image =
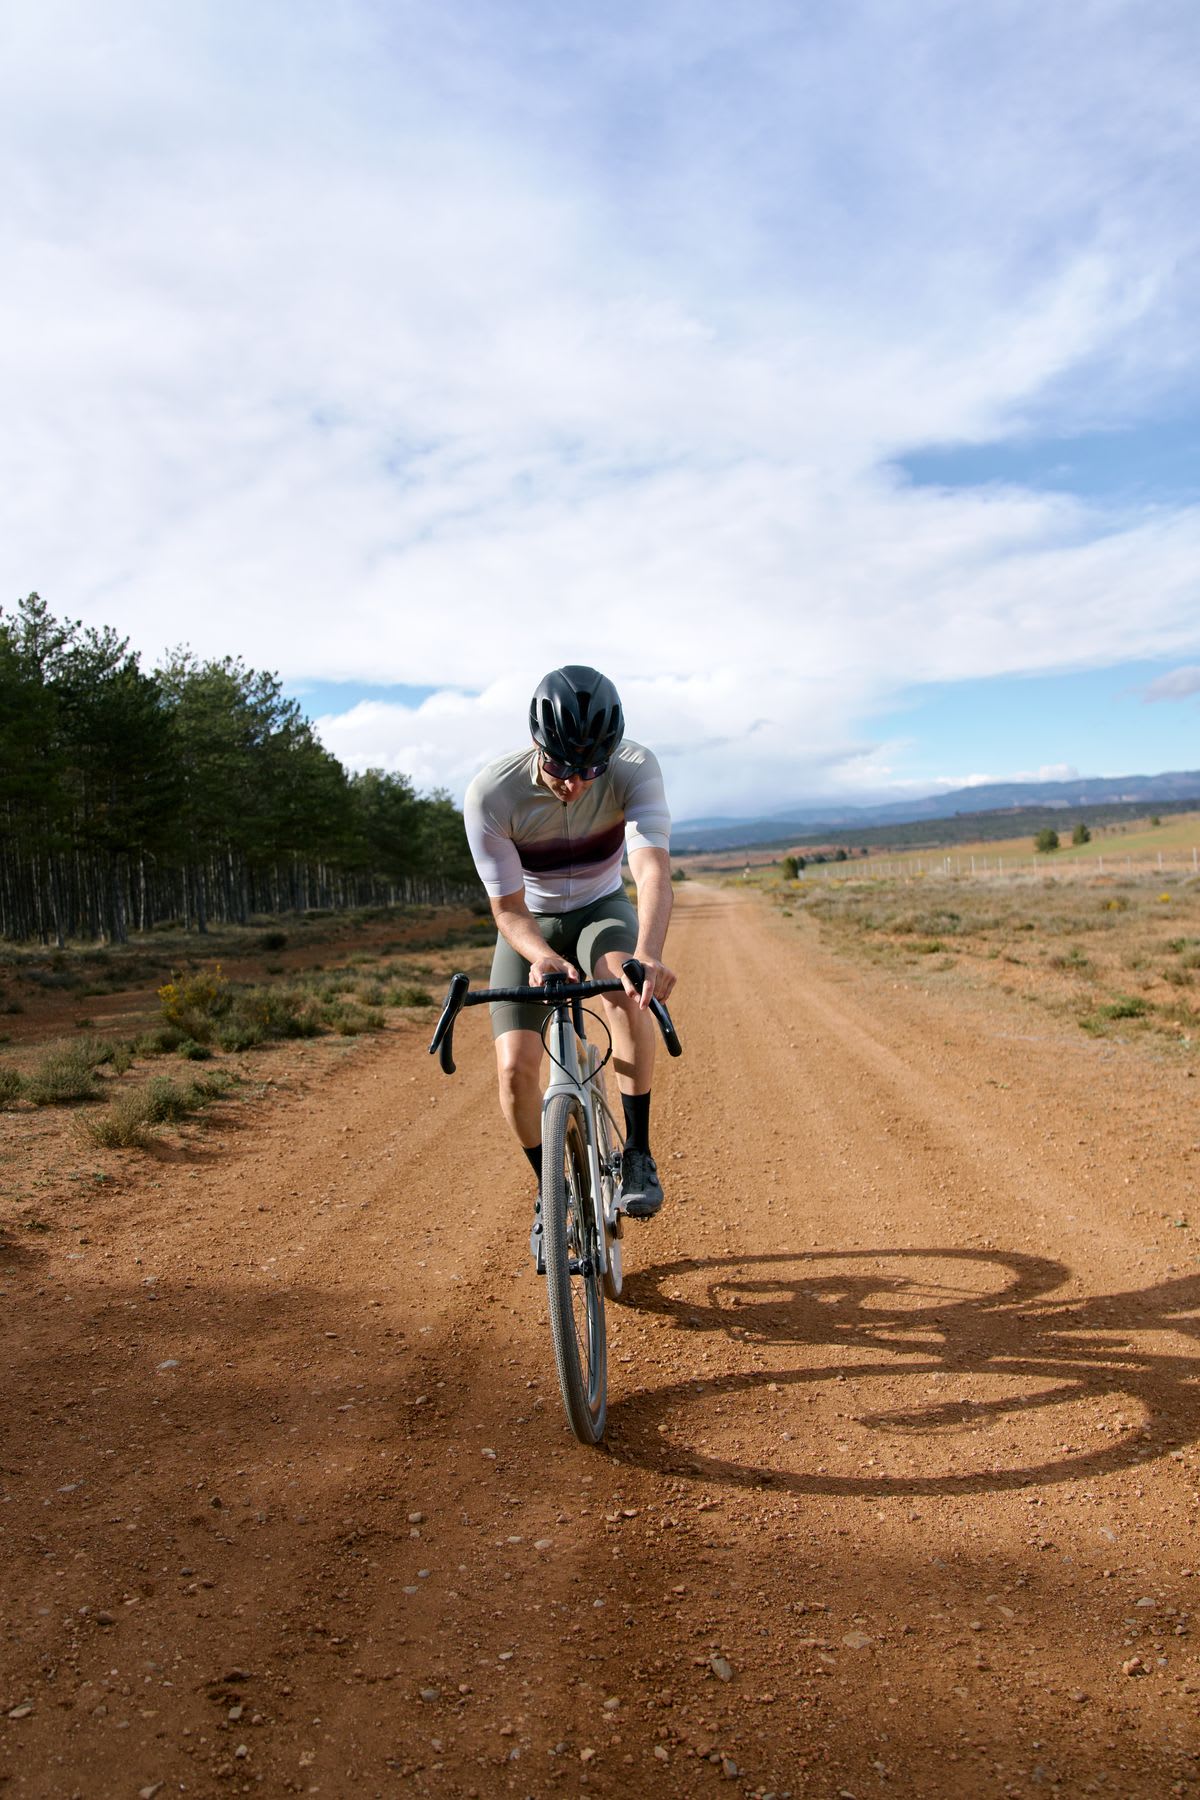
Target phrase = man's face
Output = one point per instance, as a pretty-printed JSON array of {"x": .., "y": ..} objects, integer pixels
[{"x": 566, "y": 788}]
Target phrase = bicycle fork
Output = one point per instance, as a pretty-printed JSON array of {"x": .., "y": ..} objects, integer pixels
[{"x": 574, "y": 1076}]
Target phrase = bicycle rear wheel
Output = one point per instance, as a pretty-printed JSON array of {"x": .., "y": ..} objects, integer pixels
[{"x": 572, "y": 1270}]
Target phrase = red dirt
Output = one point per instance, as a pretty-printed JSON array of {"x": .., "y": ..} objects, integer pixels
[{"x": 900, "y": 1486}]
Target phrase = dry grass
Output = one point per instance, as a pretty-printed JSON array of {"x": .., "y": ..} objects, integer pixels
[{"x": 1114, "y": 955}]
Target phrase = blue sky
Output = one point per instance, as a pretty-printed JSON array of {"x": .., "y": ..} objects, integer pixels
[{"x": 829, "y": 376}]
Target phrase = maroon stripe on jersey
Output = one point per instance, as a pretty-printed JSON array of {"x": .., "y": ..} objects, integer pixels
[{"x": 555, "y": 854}]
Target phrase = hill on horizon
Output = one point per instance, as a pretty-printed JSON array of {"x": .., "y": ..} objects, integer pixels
[{"x": 1169, "y": 790}]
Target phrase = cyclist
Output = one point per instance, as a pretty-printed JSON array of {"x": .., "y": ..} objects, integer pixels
[{"x": 548, "y": 827}]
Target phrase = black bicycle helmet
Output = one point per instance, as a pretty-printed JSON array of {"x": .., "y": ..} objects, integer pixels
[{"x": 575, "y": 716}]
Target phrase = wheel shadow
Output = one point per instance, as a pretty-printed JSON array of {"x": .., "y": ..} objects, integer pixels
[{"x": 983, "y": 1313}]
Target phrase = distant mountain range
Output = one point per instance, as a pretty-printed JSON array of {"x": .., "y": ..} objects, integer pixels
[{"x": 804, "y": 820}]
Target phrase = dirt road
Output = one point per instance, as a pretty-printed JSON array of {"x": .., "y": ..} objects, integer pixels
[{"x": 900, "y": 1488}]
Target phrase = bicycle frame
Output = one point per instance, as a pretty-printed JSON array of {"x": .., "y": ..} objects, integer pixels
[{"x": 575, "y": 1064}]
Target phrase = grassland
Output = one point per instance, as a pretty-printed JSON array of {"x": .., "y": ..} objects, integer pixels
[
  {"x": 1136, "y": 844},
  {"x": 1112, "y": 955}
]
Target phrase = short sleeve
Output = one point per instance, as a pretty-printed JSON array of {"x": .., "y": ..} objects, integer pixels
[
  {"x": 495, "y": 854},
  {"x": 647, "y": 816}
]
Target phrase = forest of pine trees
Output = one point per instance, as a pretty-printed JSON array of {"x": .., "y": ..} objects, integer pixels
[{"x": 194, "y": 793}]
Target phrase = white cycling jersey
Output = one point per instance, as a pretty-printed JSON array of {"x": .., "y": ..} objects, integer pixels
[{"x": 564, "y": 854}]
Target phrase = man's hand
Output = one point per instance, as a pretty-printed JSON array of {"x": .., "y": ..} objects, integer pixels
[
  {"x": 658, "y": 983},
  {"x": 549, "y": 964}
]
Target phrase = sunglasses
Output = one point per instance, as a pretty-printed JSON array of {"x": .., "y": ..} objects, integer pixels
[{"x": 564, "y": 771}]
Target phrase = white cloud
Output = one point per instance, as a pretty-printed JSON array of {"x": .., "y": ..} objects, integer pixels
[
  {"x": 1180, "y": 684},
  {"x": 441, "y": 345}
]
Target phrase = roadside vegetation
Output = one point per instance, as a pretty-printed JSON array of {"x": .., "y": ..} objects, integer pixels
[
  {"x": 1112, "y": 955},
  {"x": 201, "y": 1015}
]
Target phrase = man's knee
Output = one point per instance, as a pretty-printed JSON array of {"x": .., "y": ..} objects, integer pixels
[
  {"x": 608, "y": 968},
  {"x": 518, "y": 1059}
]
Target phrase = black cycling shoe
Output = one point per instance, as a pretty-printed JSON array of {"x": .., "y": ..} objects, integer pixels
[
  {"x": 536, "y": 1249},
  {"x": 641, "y": 1190}
]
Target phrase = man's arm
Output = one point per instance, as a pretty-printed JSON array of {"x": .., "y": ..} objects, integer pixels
[
  {"x": 515, "y": 923},
  {"x": 651, "y": 870}
]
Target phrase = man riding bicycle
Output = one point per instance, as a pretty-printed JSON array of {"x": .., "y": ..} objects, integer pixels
[{"x": 548, "y": 827}]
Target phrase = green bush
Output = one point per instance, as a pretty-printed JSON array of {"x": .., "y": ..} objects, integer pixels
[
  {"x": 164, "y": 1040},
  {"x": 1046, "y": 840},
  {"x": 133, "y": 1117},
  {"x": 123, "y": 1126},
  {"x": 410, "y": 996},
  {"x": 65, "y": 1076},
  {"x": 274, "y": 1012},
  {"x": 11, "y": 1085},
  {"x": 194, "y": 1003},
  {"x": 1125, "y": 1006},
  {"x": 1081, "y": 834}
]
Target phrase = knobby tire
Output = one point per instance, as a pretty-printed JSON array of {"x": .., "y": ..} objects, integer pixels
[{"x": 576, "y": 1300}]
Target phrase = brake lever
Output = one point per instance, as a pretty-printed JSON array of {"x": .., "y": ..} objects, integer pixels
[
  {"x": 637, "y": 974},
  {"x": 443, "y": 1035}
]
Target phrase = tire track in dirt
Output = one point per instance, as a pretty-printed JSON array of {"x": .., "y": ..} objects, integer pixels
[{"x": 901, "y": 1443}]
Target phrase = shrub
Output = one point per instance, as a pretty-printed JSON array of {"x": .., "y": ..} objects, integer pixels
[
  {"x": 275, "y": 1012},
  {"x": 123, "y": 1126},
  {"x": 163, "y": 1041},
  {"x": 273, "y": 940},
  {"x": 195, "y": 1002},
  {"x": 66, "y": 1075},
  {"x": 191, "y": 1051},
  {"x": 11, "y": 1085},
  {"x": 1125, "y": 1006},
  {"x": 1046, "y": 840},
  {"x": 133, "y": 1116},
  {"x": 410, "y": 996},
  {"x": 1081, "y": 834},
  {"x": 791, "y": 868}
]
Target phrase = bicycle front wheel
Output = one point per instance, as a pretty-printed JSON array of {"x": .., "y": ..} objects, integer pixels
[{"x": 572, "y": 1269}]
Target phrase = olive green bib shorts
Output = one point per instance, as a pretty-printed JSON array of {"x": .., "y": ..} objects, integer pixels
[{"x": 582, "y": 937}]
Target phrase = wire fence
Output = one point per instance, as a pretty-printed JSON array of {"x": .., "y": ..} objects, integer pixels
[{"x": 1165, "y": 863}]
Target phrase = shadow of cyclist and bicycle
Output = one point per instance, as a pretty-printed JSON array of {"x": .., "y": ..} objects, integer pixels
[{"x": 1012, "y": 1366}]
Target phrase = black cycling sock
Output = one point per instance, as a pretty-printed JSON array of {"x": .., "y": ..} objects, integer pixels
[
  {"x": 636, "y": 1108},
  {"x": 534, "y": 1153}
]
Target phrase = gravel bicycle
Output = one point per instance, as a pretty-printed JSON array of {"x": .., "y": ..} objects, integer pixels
[{"x": 581, "y": 1177}]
